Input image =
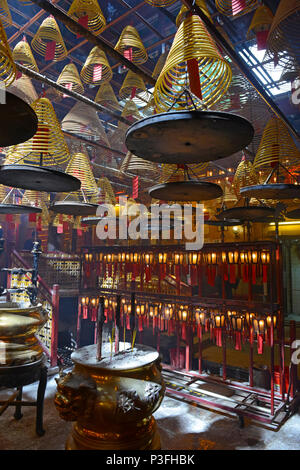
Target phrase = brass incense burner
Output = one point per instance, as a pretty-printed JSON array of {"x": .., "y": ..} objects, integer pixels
[
  {"x": 19, "y": 323},
  {"x": 112, "y": 399}
]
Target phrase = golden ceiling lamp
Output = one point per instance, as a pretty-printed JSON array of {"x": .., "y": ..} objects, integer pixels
[
  {"x": 194, "y": 62},
  {"x": 184, "y": 12},
  {"x": 130, "y": 46},
  {"x": 24, "y": 89},
  {"x": 70, "y": 79},
  {"x": 48, "y": 41},
  {"x": 83, "y": 120},
  {"x": 138, "y": 166},
  {"x": 106, "y": 96},
  {"x": 80, "y": 167},
  {"x": 245, "y": 175},
  {"x": 5, "y": 13},
  {"x": 96, "y": 69},
  {"x": 283, "y": 38},
  {"x": 160, "y": 3},
  {"x": 7, "y": 66},
  {"x": 22, "y": 53},
  {"x": 235, "y": 7},
  {"x": 260, "y": 26},
  {"x": 133, "y": 85},
  {"x": 48, "y": 144},
  {"x": 89, "y": 14}
]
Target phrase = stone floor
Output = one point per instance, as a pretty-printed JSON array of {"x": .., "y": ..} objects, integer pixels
[{"x": 182, "y": 427}]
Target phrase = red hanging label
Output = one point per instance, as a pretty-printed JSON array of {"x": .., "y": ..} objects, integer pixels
[
  {"x": 68, "y": 86},
  {"x": 128, "y": 54},
  {"x": 194, "y": 77},
  {"x": 83, "y": 21},
  {"x": 50, "y": 50},
  {"x": 260, "y": 344},
  {"x": 97, "y": 73},
  {"x": 133, "y": 92},
  {"x": 238, "y": 6},
  {"x": 261, "y": 40},
  {"x": 135, "y": 187},
  {"x": 140, "y": 324}
]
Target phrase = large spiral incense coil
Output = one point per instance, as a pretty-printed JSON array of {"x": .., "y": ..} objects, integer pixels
[
  {"x": 96, "y": 69},
  {"x": 133, "y": 85},
  {"x": 276, "y": 146},
  {"x": 5, "y": 13},
  {"x": 106, "y": 96},
  {"x": 235, "y": 7},
  {"x": 160, "y": 3},
  {"x": 69, "y": 78},
  {"x": 80, "y": 167},
  {"x": 245, "y": 175},
  {"x": 184, "y": 12},
  {"x": 24, "y": 89},
  {"x": 131, "y": 46},
  {"x": 283, "y": 38},
  {"x": 47, "y": 146},
  {"x": 138, "y": 166},
  {"x": 171, "y": 173},
  {"x": 89, "y": 14},
  {"x": 7, "y": 66},
  {"x": 130, "y": 111},
  {"x": 22, "y": 53},
  {"x": 194, "y": 62},
  {"x": 83, "y": 120},
  {"x": 106, "y": 192},
  {"x": 261, "y": 21},
  {"x": 48, "y": 41}
]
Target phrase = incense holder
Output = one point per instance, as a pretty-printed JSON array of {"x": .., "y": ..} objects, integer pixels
[{"x": 112, "y": 400}]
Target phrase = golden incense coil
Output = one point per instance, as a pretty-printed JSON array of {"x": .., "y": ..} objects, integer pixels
[
  {"x": 5, "y": 13},
  {"x": 96, "y": 68},
  {"x": 48, "y": 41},
  {"x": 245, "y": 175},
  {"x": 159, "y": 64},
  {"x": 24, "y": 89},
  {"x": 262, "y": 20},
  {"x": 106, "y": 191},
  {"x": 194, "y": 62},
  {"x": 138, "y": 166},
  {"x": 131, "y": 46},
  {"x": 133, "y": 85},
  {"x": 89, "y": 14},
  {"x": 171, "y": 173},
  {"x": 106, "y": 96},
  {"x": 160, "y": 3},
  {"x": 233, "y": 8},
  {"x": 47, "y": 146},
  {"x": 80, "y": 167},
  {"x": 184, "y": 12},
  {"x": 7, "y": 65},
  {"x": 22, "y": 53},
  {"x": 69, "y": 78}
]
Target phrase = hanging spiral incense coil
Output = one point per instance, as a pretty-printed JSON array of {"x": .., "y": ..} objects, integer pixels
[
  {"x": 5, "y": 13},
  {"x": 24, "y": 89},
  {"x": 261, "y": 20},
  {"x": 276, "y": 146},
  {"x": 160, "y": 3},
  {"x": 283, "y": 39},
  {"x": 130, "y": 110},
  {"x": 89, "y": 14},
  {"x": 69, "y": 78},
  {"x": 22, "y": 53},
  {"x": 171, "y": 173},
  {"x": 245, "y": 175},
  {"x": 184, "y": 12},
  {"x": 193, "y": 62},
  {"x": 131, "y": 46},
  {"x": 96, "y": 68},
  {"x": 48, "y": 41},
  {"x": 107, "y": 192},
  {"x": 106, "y": 96},
  {"x": 159, "y": 64},
  {"x": 47, "y": 146},
  {"x": 233, "y": 8},
  {"x": 3, "y": 192},
  {"x": 80, "y": 167},
  {"x": 133, "y": 85},
  {"x": 138, "y": 166},
  {"x": 83, "y": 120},
  {"x": 7, "y": 66}
]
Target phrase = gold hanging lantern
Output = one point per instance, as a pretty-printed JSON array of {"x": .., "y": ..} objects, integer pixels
[
  {"x": 131, "y": 46},
  {"x": 24, "y": 89},
  {"x": 80, "y": 167},
  {"x": 138, "y": 166},
  {"x": 96, "y": 68},
  {"x": 160, "y": 3},
  {"x": 245, "y": 175},
  {"x": 22, "y": 53},
  {"x": 70, "y": 79},
  {"x": 7, "y": 66},
  {"x": 276, "y": 146},
  {"x": 283, "y": 39},
  {"x": 106, "y": 96},
  {"x": 48, "y": 41},
  {"x": 88, "y": 14},
  {"x": 47, "y": 146},
  {"x": 260, "y": 25},
  {"x": 83, "y": 120},
  {"x": 133, "y": 85},
  {"x": 184, "y": 12},
  {"x": 194, "y": 62},
  {"x": 235, "y": 7}
]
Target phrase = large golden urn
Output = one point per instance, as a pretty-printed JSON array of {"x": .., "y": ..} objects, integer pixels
[
  {"x": 19, "y": 323},
  {"x": 112, "y": 400}
]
